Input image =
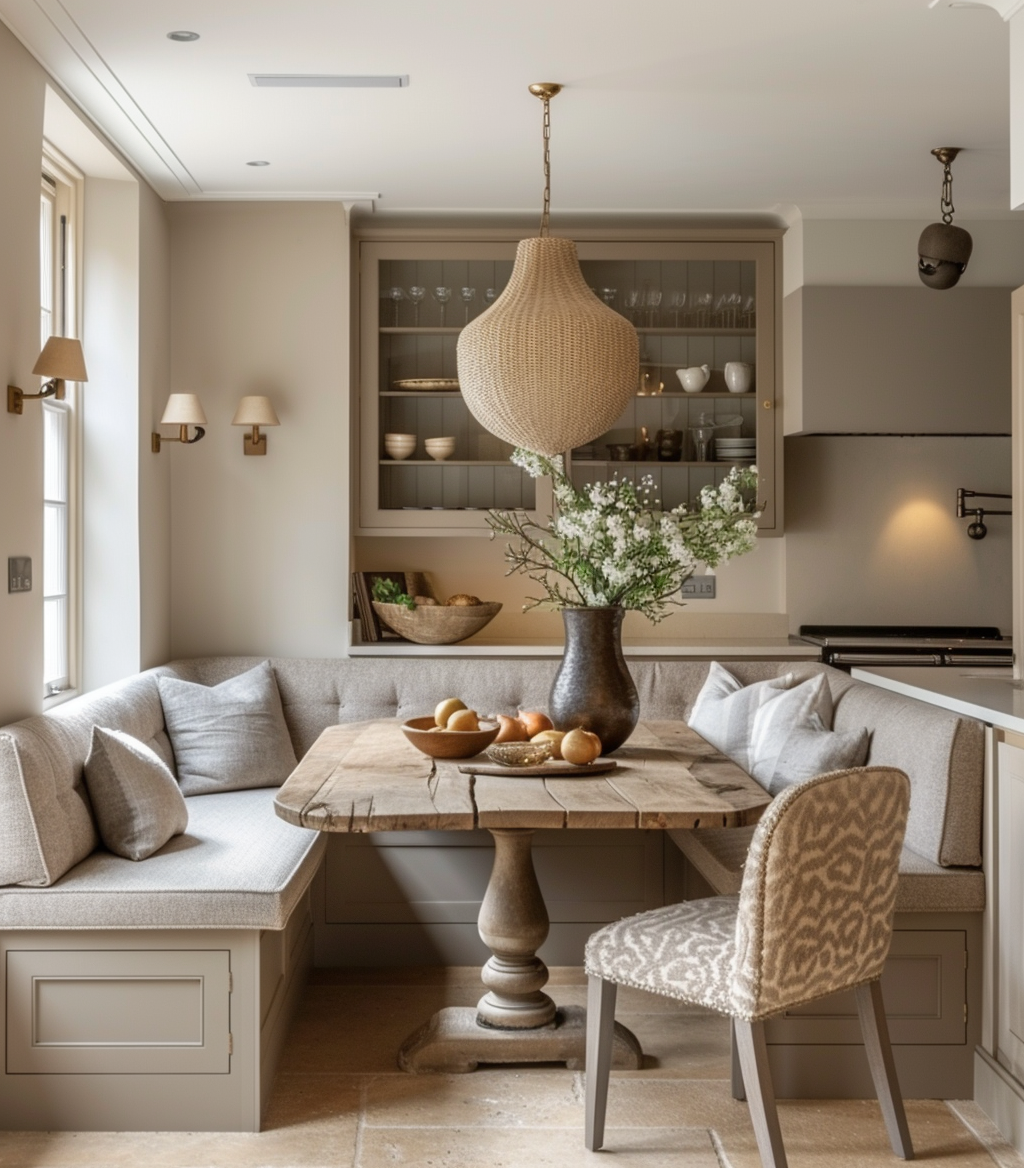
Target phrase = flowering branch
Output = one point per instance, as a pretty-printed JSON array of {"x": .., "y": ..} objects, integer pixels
[{"x": 611, "y": 543}]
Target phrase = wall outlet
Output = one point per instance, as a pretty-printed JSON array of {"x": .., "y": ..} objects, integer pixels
[
  {"x": 19, "y": 573},
  {"x": 699, "y": 588}
]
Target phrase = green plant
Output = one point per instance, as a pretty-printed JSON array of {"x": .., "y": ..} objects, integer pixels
[
  {"x": 388, "y": 592},
  {"x": 611, "y": 544}
]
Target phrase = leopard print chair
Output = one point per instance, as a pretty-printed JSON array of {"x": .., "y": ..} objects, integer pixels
[{"x": 814, "y": 916}]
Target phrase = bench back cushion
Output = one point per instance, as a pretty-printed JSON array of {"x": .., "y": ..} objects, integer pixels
[{"x": 46, "y": 824}]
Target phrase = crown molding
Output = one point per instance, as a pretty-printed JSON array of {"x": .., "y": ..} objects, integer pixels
[{"x": 1006, "y": 8}]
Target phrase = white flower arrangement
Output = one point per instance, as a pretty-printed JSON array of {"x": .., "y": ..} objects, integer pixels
[{"x": 610, "y": 544}]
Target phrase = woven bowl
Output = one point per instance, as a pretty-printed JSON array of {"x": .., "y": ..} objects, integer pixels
[
  {"x": 437, "y": 624},
  {"x": 447, "y": 743}
]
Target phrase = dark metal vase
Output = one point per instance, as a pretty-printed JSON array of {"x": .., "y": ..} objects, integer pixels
[{"x": 593, "y": 687}]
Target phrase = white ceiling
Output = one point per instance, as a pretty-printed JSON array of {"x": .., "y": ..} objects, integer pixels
[{"x": 670, "y": 105}]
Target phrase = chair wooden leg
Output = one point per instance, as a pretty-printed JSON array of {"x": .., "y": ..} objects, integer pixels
[
  {"x": 757, "y": 1079},
  {"x": 883, "y": 1070},
  {"x": 738, "y": 1093},
  {"x": 600, "y": 1028}
]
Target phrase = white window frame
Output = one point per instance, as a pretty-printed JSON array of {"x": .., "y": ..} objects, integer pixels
[{"x": 67, "y": 188}]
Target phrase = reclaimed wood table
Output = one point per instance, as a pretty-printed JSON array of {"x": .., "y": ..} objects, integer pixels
[{"x": 365, "y": 776}]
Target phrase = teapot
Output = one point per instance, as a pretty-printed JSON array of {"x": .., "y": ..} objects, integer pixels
[{"x": 695, "y": 378}]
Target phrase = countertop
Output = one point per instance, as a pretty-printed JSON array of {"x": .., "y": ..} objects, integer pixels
[
  {"x": 990, "y": 695},
  {"x": 741, "y": 648}
]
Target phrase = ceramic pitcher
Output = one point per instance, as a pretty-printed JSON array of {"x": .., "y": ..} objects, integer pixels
[
  {"x": 739, "y": 376},
  {"x": 695, "y": 378}
]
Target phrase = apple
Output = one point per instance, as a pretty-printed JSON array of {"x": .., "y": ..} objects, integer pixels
[
  {"x": 580, "y": 747},
  {"x": 445, "y": 710},
  {"x": 510, "y": 729},
  {"x": 535, "y": 722},
  {"x": 463, "y": 720},
  {"x": 554, "y": 737}
]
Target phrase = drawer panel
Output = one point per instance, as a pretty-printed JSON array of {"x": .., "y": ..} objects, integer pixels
[{"x": 118, "y": 1012}]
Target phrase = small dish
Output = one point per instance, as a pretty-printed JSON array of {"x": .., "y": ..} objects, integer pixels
[
  {"x": 521, "y": 754},
  {"x": 440, "y": 448},
  {"x": 399, "y": 446},
  {"x": 426, "y": 737},
  {"x": 423, "y": 384}
]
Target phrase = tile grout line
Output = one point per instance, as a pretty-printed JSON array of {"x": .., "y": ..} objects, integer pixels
[{"x": 719, "y": 1148}]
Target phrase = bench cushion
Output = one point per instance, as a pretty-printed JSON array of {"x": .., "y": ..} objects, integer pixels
[
  {"x": 719, "y": 853},
  {"x": 238, "y": 866}
]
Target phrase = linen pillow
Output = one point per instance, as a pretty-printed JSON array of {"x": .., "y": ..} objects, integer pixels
[
  {"x": 807, "y": 706},
  {"x": 228, "y": 737},
  {"x": 813, "y": 750},
  {"x": 723, "y": 713},
  {"x": 135, "y": 799}
]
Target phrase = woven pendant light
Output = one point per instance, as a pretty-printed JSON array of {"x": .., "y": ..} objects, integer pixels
[{"x": 548, "y": 366}]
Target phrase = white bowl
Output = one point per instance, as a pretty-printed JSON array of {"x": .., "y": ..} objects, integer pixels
[
  {"x": 400, "y": 446},
  {"x": 440, "y": 448}
]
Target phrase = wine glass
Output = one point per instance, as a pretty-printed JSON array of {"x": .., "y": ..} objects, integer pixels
[
  {"x": 468, "y": 296},
  {"x": 702, "y": 302},
  {"x": 416, "y": 294},
  {"x": 396, "y": 295},
  {"x": 749, "y": 316},
  {"x": 608, "y": 295},
  {"x": 490, "y": 295},
  {"x": 676, "y": 303},
  {"x": 442, "y": 295},
  {"x": 733, "y": 303},
  {"x": 632, "y": 301},
  {"x": 652, "y": 302}
]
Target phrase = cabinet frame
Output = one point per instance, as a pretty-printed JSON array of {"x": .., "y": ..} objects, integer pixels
[{"x": 375, "y": 245}]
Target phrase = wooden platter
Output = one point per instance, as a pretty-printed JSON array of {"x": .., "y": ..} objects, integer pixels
[{"x": 545, "y": 770}]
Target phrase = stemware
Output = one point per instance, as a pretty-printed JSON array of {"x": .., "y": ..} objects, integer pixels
[
  {"x": 676, "y": 304},
  {"x": 442, "y": 295},
  {"x": 416, "y": 294},
  {"x": 632, "y": 300},
  {"x": 749, "y": 316},
  {"x": 719, "y": 320},
  {"x": 732, "y": 305},
  {"x": 608, "y": 295},
  {"x": 396, "y": 295},
  {"x": 468, "y": 296},
  {"x": 490, "y": 295},
  {"x": 702, "y": 302},
  {"x": 652, "y": 302}
]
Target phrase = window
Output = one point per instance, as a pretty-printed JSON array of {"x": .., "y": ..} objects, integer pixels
[{"x": 57, "y": 317}]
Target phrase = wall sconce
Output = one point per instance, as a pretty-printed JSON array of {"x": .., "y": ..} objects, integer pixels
[
  {"x": 183, "y": 410},
  {"x": 61, "y": 360},
  {"x": 977, "y": 530},
  {"x": 255, "y": 412}
]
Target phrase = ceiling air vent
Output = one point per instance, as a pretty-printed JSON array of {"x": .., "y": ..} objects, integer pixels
[{"x": 327, "y": 81}]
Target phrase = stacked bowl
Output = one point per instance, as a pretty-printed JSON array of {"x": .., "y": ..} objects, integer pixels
[
  {"x": 399, "y": 446},
  {"x": 735, "y": 449},
  {"x": 440, "y": 448}
]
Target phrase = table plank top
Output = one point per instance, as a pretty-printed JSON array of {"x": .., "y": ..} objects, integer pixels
[{"x": 365, "y": 776}]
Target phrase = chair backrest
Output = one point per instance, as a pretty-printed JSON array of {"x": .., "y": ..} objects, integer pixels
[{"x": 819, "y": 890}]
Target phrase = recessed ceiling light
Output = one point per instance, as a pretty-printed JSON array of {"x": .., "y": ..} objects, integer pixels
[
  {"x": 328, "y": 81},
  {"x": 258, "y": 162},
  {"x": 182, "y": 34}
]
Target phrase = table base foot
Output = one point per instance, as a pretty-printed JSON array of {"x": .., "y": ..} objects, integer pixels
[{"x": 454, "y": 1042}]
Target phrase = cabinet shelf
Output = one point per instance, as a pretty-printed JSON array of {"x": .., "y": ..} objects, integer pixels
[
  {"x": 420, "y": 393},
  {"x": 454, "y": 330},
  {"x": 578, "y": 463},
  {"x": 445, "y": 462}
]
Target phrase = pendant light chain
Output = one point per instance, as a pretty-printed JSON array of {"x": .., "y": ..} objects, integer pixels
[
  {"x": 545, "y": 219},
  {"x": 946, "y": 201}
]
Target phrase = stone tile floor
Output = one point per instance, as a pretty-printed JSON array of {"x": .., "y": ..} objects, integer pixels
[{"x": 340, "y": 1102}]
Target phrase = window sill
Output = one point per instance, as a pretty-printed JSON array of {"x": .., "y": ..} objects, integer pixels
[{"x": 58, "y": 699}]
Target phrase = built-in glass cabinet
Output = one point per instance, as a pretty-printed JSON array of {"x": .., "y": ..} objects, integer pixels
[{"x": 694, "y": 304}]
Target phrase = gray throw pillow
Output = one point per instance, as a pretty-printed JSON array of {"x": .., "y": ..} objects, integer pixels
[
  {"x": 228, "y": 737},
  {"x": 724, "y": 711},
  {"x": 809, "y": 751},
  {"x": 135, "y": 799}
]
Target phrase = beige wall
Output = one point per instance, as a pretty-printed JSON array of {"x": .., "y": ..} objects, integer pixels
[
  {"x": 22, "y": 89},
  {"x": 259, "y": 546},
  {"x": 873, "y": 538}
]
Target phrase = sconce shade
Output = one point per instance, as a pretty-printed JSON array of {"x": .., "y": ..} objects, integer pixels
[
  {"x": 255, "y": 411},
  {"x": 183, "y": 409},
  {"x": 548, "y": 366},
  {"x": 62, "y": 358}
]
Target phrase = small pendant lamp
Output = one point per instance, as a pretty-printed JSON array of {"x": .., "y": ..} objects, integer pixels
[
  {"x": 944, "y": 249},
  {"x": 548, "y": 366}
]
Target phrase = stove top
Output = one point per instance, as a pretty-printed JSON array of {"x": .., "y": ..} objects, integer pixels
[{"x": 848, "y": 645}]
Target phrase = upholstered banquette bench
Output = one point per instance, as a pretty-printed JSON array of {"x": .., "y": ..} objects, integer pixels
[{"x": 156, "y": 994}]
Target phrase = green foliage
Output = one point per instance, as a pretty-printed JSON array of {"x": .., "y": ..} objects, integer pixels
[{"x": 388, "y": 592}]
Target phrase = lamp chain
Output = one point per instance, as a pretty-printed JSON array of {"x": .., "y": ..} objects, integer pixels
[
  {"x": 946, "y": 201},
  {"x": 545, "y": 219}
]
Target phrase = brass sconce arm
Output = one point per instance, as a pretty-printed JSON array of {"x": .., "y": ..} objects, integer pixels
[
  {"x": 977, "y": 529},
  {"x": 156, "y": 438},
  {"x": 15, "y": 397}
]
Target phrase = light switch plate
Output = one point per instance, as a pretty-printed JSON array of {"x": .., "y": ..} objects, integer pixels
[
  {"x": 19, "y": 573},
  {"x": 699, "y": 588}
]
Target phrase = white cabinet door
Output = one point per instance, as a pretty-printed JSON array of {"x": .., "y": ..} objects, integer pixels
[{"x": 1010, "y": 909}]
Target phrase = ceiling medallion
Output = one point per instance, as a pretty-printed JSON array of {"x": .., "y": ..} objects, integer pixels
[{"x": 549, "y": 365}]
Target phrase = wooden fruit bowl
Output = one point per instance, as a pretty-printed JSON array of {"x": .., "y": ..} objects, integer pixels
[
  {"x": 437, "y": 624},
  {"x": 447, "y": 743}
]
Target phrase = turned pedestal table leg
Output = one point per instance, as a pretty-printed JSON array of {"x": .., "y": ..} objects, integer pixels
[{"x": 515, "y": 1021}]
